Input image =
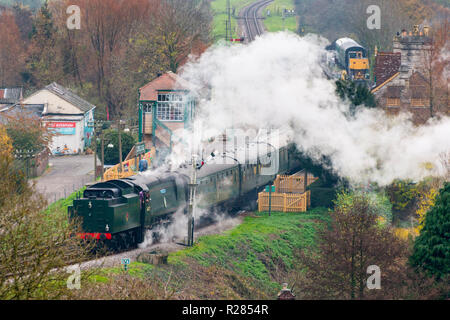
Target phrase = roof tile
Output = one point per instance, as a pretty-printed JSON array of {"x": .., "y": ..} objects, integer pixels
[
  {"x": 167, "y": 81},
  {"x": 387, "y": 64},
  {"x": 70, "y": 97}
]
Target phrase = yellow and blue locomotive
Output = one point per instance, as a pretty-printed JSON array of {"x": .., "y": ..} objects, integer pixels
[{"x": 353, "y": 58}]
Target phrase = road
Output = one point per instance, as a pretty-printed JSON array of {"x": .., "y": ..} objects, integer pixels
[
  {"x": 251, "y": 19},
  {"x": 65, "y": 175}
]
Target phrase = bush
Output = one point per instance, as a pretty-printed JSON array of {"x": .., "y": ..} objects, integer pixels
[
  {"x": 321, "y": 196},
  {"x": 403, "y": 196},
  {"x": 112, "y": 154}
]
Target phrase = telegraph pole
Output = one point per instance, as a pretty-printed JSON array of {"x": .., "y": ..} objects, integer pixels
[
  {"x": 192, "y": 190},
  {"x": 95, "y": 156},
  {"x": 228, "y": 23},
  {"x": 120, "y": 144},
  {"x": 103, "y": 155}
]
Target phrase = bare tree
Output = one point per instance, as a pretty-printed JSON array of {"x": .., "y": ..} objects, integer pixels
[
  {"x": 435, "y": 64},
  {"x": 181, "y": 26},
  {"x": 11, "y": 50},
  {"x": 353, "y": 242},
  {"x": 35, "y": 243}
]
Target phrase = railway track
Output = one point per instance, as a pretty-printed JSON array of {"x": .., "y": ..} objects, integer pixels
[{"x": 252, "y": 23}]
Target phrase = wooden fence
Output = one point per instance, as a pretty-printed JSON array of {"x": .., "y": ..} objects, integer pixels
[
  {"x": 129, "y": 167},
  {"x": 285, "y": 202},
  {"x": 294, "y": 183}
]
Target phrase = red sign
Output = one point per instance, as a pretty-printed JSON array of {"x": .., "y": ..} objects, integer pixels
[{"x": 61, "y": 124}]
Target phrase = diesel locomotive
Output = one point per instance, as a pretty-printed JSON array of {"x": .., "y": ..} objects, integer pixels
[
  {"x": 120, "y": 211},
  {"x": 353, "y": 58}
]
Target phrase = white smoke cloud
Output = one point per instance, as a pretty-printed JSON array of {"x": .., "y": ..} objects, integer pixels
[
  {"x": 177, "y": 229},
  {"x": 276, "y": 82}
]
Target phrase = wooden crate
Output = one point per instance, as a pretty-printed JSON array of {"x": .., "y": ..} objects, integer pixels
[{"x": 284, "y": 202}]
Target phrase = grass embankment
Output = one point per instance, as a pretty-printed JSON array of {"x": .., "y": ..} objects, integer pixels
[
  {"x": 274, "y": 22},
  {"x": 61, "y": 205},
  {"x": 248, "y": 262}
]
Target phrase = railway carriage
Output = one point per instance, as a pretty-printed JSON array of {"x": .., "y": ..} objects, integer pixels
[{"x": 120, "y": 211}]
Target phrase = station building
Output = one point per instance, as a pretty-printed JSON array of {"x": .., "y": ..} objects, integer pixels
[
  {"x": 67, "y": 115},
  {"x": 166, "y": 105}
]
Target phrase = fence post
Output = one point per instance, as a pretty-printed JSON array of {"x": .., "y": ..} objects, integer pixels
[
  {"x": 270, "y": 199},
  {"x": 285, "y": 205}
]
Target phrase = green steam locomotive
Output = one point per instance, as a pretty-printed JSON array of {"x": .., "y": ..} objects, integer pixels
[{"x": 119, "y": 212}]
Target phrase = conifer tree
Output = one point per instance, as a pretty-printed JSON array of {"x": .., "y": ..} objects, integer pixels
[
  {"x": 43, "y": 64},
  {"x": 356, "y": 93},
  {"x": 432, "y": 247}
]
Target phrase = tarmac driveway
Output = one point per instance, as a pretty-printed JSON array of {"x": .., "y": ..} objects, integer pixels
[{"x": 65, "y": 175}]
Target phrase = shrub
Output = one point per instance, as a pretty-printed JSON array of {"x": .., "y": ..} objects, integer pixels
[
  {"x": 321, "y": 196},
  {"x": 112, "y": 154}
]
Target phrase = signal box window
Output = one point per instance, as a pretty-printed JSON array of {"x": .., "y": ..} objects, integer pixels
[{"x": 170, "y": 107}]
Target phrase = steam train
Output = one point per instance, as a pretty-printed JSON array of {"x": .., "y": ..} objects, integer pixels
[
  {"x": 120, "y": 211},
  {"x": 348, "y": 56}
]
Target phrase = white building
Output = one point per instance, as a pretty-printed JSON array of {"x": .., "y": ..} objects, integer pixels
[{"x": 67, "y": 115}]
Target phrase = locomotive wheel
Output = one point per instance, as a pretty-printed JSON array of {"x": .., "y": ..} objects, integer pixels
[{"x": 124, "y": 245}]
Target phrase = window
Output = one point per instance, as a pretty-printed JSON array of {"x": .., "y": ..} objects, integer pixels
[
  {"x": 419, "y": 102},
  {"x": 393, "y": 102},
  {"x": 170, "y": 107},
  {"x": 147, "y": 107}
]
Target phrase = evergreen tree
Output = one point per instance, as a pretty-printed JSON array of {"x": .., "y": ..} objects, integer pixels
[
  {"x": 432, "y": 247},
  {"x": 356, "y": 93},
  {"x": 44, "y": 55}
]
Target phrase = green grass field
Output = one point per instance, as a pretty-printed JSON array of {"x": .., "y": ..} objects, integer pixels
[
  {"x": 246, "y": 260},
  {"x": 251, "y": 248},
  {"x": 275, "y": 22},
  {"x": 219, "y": 8}
]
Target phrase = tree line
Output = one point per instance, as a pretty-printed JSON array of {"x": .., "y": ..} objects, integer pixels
[{"x": 120, "y": 46}]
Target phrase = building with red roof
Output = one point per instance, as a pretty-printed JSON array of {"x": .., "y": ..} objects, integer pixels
[
  {"x": 166, "y": 106},
  {"x": 401, "y": 84}
]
